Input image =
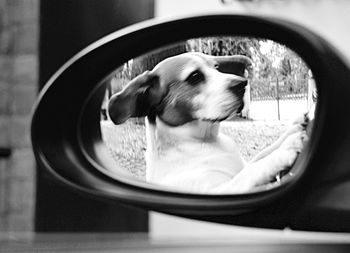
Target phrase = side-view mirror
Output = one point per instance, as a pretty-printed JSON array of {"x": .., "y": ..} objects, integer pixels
[{"x": 161, "y": 90}]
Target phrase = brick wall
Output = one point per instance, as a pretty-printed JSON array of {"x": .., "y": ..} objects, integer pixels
[{"x": 18, "y": 88}]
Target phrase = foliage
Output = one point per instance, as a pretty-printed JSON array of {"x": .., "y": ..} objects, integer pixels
[{"x": 277, "y": 71}]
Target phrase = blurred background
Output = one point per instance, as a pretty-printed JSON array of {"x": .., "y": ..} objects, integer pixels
[{"x": 36, "y": 38}]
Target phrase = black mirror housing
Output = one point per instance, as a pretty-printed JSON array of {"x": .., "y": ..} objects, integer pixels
[{"x": 66, "y": 134}]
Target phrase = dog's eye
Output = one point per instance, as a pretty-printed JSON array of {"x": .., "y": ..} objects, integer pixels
[{"x": 195, "y": 77}]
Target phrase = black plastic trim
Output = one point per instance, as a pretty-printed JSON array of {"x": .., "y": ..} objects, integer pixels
[{"x": 66, "y": 132}]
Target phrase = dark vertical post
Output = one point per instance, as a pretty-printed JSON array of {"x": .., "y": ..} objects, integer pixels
[
  {"x": 278, "y": 99},
  {"x": 66, "y": 27}
]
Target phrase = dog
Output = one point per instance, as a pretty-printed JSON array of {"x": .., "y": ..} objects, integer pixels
[{"x": 184, "y": 99}]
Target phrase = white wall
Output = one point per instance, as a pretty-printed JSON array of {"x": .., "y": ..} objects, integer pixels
[
  {"x": 329, "y": 18},
  {"x": 166, "y": 8}
]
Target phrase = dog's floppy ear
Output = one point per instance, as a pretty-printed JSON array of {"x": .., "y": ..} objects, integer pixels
[
  {"x": 234, "y": 64},
  {"x": 136, "y": 98}
]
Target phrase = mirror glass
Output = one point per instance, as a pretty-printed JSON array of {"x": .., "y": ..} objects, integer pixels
[{"x": 211, "y": 115}]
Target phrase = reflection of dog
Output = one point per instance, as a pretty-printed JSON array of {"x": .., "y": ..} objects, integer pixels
[{"x": 184, "y": 98}]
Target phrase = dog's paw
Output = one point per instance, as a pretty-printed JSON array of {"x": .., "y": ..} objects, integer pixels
[
  {"x": 291, "y": 147},
  {"x": 294, "y": 128},
  {"x": 298, "y": 124}
]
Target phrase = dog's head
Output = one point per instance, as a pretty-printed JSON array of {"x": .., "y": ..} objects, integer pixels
[{"x": 183, "y": 88}]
